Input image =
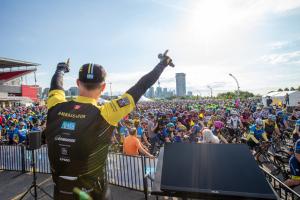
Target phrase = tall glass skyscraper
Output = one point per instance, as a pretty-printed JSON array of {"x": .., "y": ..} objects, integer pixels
[{"x": 180, "y": 84}]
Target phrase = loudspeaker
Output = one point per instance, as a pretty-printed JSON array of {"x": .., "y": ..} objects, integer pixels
[{"x": 34, "y": 140}]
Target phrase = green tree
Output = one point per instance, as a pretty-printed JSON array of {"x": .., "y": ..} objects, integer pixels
[
  {"x": 298, "y": 88},
  {"x": 286, "y": 89},
  {"x": 279, "y": 90},
  {"x": 292, "y": 89},
  {"x": 233, "y": 95}
]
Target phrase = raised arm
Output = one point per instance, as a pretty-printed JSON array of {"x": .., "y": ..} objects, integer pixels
[
  {"x": 149, "y": 79},
  {"x": 116, "y": 109},
  {"x": 56, "y": 93}
]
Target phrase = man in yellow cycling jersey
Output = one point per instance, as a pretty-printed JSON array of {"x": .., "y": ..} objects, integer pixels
[
  {"x": 78, "y": 132},
  {"x": 270, "y": 126},
  {"x": 256, "y": 134}
]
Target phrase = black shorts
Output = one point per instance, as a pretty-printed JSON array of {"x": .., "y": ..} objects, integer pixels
[{"x": 251, "y": 144}]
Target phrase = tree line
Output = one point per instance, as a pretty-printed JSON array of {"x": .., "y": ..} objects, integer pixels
[
  {"x": 289, "y": 89},
  {"x": 234, "y": 95}
]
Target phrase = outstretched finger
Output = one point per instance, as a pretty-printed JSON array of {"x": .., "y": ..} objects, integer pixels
[{"x": 165, "y": 54}]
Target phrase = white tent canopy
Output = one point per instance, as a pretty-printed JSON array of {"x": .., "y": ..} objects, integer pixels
[
  {"x": 145, "y": 99},
  {"x": 279, "y": 97},
  {"x": 102, "y": 101}
]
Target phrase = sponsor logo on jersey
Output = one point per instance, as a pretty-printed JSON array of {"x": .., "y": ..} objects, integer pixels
[
  {"x": 63, "y": 139},
  {"x": 123, "y": 102},
  {"x": 65, "y": 159},
  {"x": 71, "y": 115},
  {"x": 68, "y": 125},
  {"x": 76, "y": 107}
]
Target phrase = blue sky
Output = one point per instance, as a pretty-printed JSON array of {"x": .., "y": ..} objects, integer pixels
[{"x": 257, "y": 41}]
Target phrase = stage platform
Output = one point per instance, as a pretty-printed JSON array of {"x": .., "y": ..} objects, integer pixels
[{"x": 13, "y": 184}]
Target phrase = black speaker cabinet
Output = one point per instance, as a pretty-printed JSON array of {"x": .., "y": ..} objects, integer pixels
[{"x": 34, "y": 140}]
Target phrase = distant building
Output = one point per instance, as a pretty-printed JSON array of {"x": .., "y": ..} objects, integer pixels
[
  {"x": 190, "y": 93},
  {"x": 45, "y": 92},
  {"x": 151, "y": 92},
  {"x": 68, "y": 93},
  {"x": 165, "y": 92},
  {"x": 74, "y": 91},
  {"x": 180, "y": 84},
  {"x": 40, "y": 92},
  {"x": 12, "y": 90},
  {"x": 172, "y": 93},
  {"x": 158, "y": 92}
]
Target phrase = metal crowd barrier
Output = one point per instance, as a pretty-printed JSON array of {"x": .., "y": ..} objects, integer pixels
[
  {"x": 121, "y": 170},
  {"x": 129, "y": 171},
  {"x": 283, "y": 191},
  {"x": 18, "y": 158}
]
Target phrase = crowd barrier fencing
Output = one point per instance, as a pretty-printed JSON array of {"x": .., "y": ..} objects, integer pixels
[
  {"x": 282, "y": 190},
  {"x": 18, "y": 158},
  {"x": 121, "y": 170}
]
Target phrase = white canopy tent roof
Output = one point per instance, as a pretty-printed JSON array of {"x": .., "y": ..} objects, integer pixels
[
  {"x": 277, "y": 97},
  {"x": 102, "y": 101},
  {"x": 145, "y": 99}
]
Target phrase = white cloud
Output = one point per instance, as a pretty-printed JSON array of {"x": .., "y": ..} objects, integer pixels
[
  {"x": 279, "y": 45},
  {"x": 283, "y": 58},
  {"x": 208, "y": 40}
]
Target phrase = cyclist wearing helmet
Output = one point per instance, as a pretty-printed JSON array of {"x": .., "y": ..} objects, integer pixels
[
  {"x": 256, "y": 134},
  {"x": 246, "y": 117},
  {"x": 140, "y": 132},
  {"x": 124, "y": 129},
  {"x": 257, "y": 113},
  {"x": 168, "y": 132},
  {"x": 12, "y": 134},
  {"x": 294, "y": 164},
  {"x": 218, "y": 125},
  {"x": 270, "y": 126},
  {"x": 234, "y": 122},
  {"x": 22, "y": 132},
  {"x": 296, "y": 132},
  {"x": 282, "y": 120},
  {"x": 196, "y": 129}
]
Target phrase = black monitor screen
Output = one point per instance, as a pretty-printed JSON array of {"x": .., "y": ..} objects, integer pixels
[{"x": 225, "y": 169}]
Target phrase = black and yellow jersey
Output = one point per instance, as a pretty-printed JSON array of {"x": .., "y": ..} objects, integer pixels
[
  {"x": 269, "y": 126},
  {"x": 78, "y": 133}
]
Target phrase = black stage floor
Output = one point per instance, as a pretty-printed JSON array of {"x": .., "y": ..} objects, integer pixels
[{"x": 14, "y": 184}]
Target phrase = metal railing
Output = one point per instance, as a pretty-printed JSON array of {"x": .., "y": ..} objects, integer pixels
[
  {"x": 18, "y": 158},
  {"x": 129, "y": 171},
  {"x": 133, "y": 172},
  {"x": 283, "y": 191},
  {"x": 121, "y": 170}
]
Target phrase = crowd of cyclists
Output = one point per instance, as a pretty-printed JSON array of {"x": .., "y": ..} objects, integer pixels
[
  {"x": 17, "y": 122},
  {"x": 271, "y": 132}
]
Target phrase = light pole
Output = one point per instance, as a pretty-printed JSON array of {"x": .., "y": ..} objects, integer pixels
[
  {"x": 210, "y": 88},
  {"x": 110, "y": 90},
  {"x": 238, "y": 86}
]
